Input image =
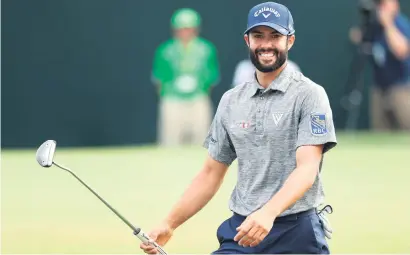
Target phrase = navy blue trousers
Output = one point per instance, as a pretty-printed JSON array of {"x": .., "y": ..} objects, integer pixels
[{"x": 300, "y": 233}]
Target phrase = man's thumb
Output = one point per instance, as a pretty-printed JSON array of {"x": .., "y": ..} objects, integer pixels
[{"x": 153, "y": 236}]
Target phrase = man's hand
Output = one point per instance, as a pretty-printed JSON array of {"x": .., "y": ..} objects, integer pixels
[
  {"x": 160, "y": 235},
  {"x": 355, "y": 35},
  {"x": 387, "y": 13},
  {"x": 396, "y": 40},
  {"x": 255, "y": 228}
]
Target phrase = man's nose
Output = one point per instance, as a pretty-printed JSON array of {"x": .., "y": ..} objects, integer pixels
[{"x": 266, "y": 43}]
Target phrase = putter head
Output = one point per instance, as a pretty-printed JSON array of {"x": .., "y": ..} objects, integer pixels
[{"x": 45, "y": 153}]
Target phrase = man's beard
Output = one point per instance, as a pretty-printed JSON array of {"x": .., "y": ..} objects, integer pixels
[{"x": 280, "y": 59}]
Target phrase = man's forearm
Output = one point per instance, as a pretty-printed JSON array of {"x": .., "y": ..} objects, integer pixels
[
  {"x": 198, "y": 194},
  {"x": 158, "y": 87},
  {"x": 301, "y": 179},
  {"x": 397, "y": 41}
]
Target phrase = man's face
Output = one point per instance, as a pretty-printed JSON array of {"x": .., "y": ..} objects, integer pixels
[
  {"x": 391, "y": 5},
  {"x": 268, "y": 49},
  {"x": 185, "y": 34}
]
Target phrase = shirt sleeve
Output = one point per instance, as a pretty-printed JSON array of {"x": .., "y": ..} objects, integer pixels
[
  {"x": 218, "y": 142},
  {"x": 212, "y": 67},
  {"x": 316, "y": 122},
  {"x": 160, "y": 68},
  {"x": 403, "y": 25}
]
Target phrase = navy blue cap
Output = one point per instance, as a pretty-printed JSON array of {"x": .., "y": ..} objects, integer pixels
[{"x": 273, "y": 15}]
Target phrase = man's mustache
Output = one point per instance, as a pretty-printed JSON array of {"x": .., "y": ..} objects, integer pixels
[{"x": 265, "y": 50}]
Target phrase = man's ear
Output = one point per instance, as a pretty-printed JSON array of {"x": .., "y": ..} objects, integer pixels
[
  {"x": 246, "y": 38},
  {"x": 291, "y": 41}
]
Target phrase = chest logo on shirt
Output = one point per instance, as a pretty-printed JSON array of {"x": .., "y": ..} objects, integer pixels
[
  {"x": 318, "y": 124},
  {"x": 277, "y": 117},
  {"x": 243, "y": 124}
]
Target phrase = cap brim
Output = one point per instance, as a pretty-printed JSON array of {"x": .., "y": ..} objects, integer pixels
[{"x": 278, "y": 28}]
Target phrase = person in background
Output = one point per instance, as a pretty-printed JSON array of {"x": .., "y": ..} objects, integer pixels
[
  {"x": 390, "y": 51},
  {"x": 185, "y": 68}
]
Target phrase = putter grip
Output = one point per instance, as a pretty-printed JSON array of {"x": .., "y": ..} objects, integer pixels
[{"x": 141, "y": 235}]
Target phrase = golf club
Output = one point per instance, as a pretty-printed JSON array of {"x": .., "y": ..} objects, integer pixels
[{"x": 45, "y": 157}]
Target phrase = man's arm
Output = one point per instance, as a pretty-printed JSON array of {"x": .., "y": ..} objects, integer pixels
[
  {"x": 316, "y": 136},
  {"x": 220, "y": 156},
  {"x": 257, "y": 226},
  {"x": 397, "y": 41},
  {"x": 201, "y": 190},
  {"x": 396, "y": 30},
  {"x": 212, "y": 72},
  {"x": 161, "y": 72},
  {"x": 302, "y": 178}
]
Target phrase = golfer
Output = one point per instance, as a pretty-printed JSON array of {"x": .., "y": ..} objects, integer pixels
[{"x": 278, "y": 125}]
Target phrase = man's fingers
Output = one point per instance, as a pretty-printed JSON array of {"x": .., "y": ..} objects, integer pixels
[
  {"x": 148, "y": 248},
  {"x": 240, "y": 235},
  {"x": 244, "y": 223},
  {"x": 249, "y": 237},
  {"x": 153, "y": 251},
  {"x": 243, "y": 229},
  {"x": 258, "y": 238}
]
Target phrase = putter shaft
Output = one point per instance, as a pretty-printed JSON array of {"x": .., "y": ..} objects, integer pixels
[{"x": 137, "y": 231}]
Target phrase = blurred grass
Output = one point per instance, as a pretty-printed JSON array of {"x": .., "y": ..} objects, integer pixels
[{"x": 46, "y": 210}]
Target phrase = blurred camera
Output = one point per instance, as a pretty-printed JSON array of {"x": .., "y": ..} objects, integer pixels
[{"x": 366, "y": 7}]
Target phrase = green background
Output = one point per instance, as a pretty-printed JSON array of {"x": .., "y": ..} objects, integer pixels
[
  {"x": 78, "y": 71},
  {"x": 46, "y": 210}
]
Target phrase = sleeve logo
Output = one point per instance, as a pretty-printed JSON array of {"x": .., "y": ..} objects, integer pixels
[{"x": 318, "y": 124}]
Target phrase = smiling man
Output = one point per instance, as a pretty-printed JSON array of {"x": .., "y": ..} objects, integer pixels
[{"x": 278, "y": 125}]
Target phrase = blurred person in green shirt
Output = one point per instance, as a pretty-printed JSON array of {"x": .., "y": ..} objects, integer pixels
[{"x": 185, "y": 69}]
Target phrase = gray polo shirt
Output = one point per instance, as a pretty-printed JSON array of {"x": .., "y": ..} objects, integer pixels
[{"x": 262, "y": 128}]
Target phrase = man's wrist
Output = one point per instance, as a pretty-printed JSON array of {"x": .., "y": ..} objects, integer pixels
[
  {"x": 272, "y": 210},
  {"x": 170, "y": 223},
  {"x": 388, "y": 25}
]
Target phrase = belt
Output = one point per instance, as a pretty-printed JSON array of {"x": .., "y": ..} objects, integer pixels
[
  {"x": 296, "y": 216},
  {"x": 289, "y": 217}
]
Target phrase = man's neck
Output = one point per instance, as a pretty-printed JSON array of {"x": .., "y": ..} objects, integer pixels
[
  {"x": 265, "y": 79},
  {"x": 186, "y": 42}
]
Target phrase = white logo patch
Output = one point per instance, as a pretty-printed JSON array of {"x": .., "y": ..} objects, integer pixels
[
  {"x": 266, "y": 9},
  {"x": 277, "y": 117},
  {"x": 266, "y": 15}
]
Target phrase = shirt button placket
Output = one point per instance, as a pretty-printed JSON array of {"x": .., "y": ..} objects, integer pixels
[{"x": 259, "y": 115}]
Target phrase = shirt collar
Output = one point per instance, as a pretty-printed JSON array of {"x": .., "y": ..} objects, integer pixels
[{"x": 281, "y": 83}]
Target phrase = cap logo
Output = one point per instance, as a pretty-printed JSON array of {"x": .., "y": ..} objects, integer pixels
[{"x": 266, "y": 9}]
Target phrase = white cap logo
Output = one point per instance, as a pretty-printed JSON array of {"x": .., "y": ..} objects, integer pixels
[{"x": 266, "y": 15}]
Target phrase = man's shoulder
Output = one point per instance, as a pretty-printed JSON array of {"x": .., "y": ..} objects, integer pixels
[
  {"x": 206, "y": 45},
  {"x": 304, "y": 86},
  {"x": 232, "y": 94},
  {"x": 403, "y": 19},
  {"x": 165, "y": 45},
  {"x": 403, "y": 23},
  {"x": 240, "y": 88},
  {"x": 205, "y": 42}
]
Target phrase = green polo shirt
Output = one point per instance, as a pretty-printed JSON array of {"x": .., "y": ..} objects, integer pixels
[{"x": 185, "y": 72}]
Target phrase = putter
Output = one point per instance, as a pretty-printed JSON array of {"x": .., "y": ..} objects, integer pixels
[{"x": 45, "y": 157}]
